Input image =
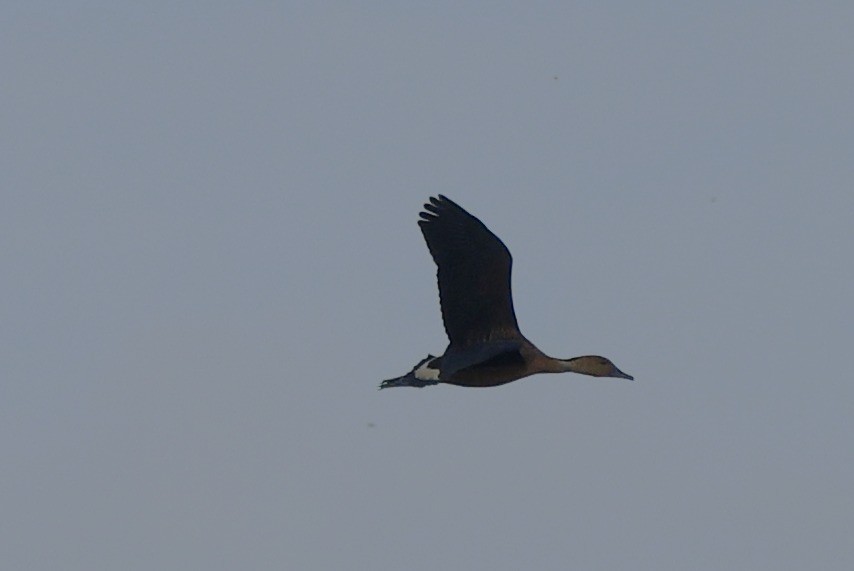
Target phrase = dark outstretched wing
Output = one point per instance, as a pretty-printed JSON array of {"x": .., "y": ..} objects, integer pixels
[{"x": 474, "y": 275}]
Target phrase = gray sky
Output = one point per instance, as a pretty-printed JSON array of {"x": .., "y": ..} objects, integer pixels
[{"x": 210, "y": 260}]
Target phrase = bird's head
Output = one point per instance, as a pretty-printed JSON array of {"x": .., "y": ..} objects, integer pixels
[{"x": 596, "y": 366}]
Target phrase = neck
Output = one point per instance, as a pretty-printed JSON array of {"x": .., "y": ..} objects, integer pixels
[
  {"x": 583, "y": 365},
  {"x": 553, "y": 365}
]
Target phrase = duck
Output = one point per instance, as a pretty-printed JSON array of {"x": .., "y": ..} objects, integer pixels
[{"x": 486, "y": 347}]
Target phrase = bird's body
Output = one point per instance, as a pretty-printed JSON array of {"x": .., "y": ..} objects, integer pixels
[{"x": 486, "y": 347}]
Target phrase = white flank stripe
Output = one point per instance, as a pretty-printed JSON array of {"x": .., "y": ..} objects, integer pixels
[{"x": 425, "y": 373}]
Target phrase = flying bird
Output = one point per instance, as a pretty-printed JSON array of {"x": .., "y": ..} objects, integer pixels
[{"x": 486, "y": 348}]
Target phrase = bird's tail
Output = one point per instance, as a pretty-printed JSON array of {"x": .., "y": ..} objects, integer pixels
[{"x": 422, "y": 375}]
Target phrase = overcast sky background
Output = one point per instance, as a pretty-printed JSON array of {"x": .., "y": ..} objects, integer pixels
[{"x": 210, "y": 260}]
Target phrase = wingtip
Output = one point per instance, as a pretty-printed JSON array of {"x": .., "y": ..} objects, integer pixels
[{"x": 436, "y": 204}]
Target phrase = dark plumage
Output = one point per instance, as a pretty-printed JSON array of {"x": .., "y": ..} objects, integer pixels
[{"x": 486, "y": 347}]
